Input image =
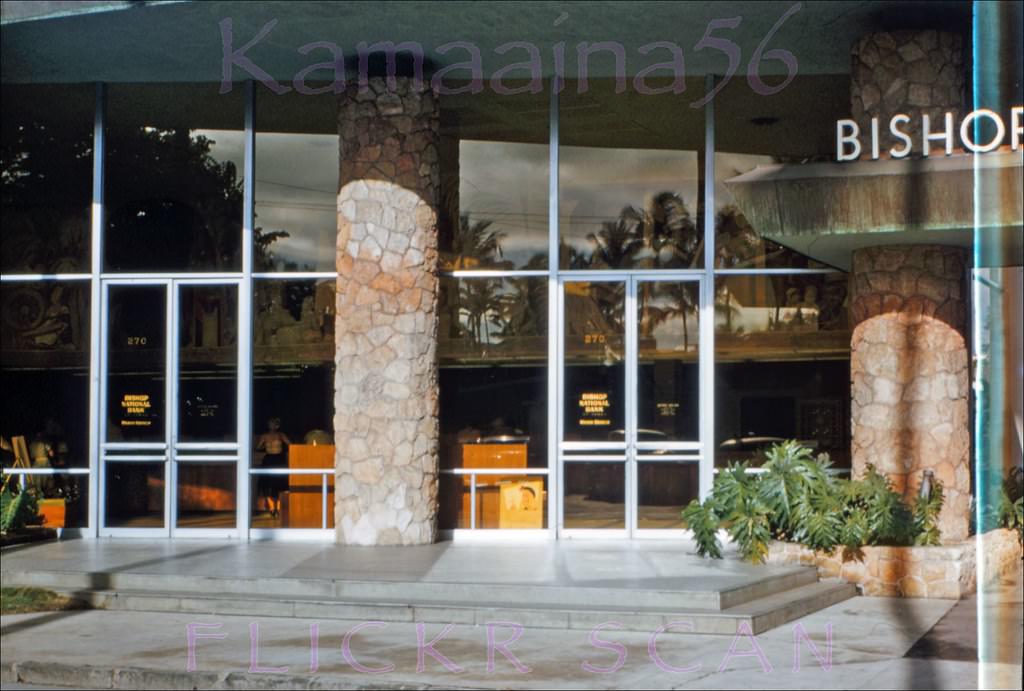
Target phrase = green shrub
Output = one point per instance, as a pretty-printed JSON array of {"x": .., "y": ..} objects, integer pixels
[
  {"x": 16, "y": 509},
  {"x": 748, "y": 527},
  {"x": 926, "y": 513},
  {"x": 798, "y": 497},
  {"x": 702, "y": 520}
]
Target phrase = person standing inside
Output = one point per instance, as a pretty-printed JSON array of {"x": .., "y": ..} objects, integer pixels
[{"x": 274, "y": 442}]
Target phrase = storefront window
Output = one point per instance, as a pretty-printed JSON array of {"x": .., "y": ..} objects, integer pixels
[
  {"x": 46, "y": 178},
  {"x": 629, "y": 181},
  {"x": 174, "y": 162},
  {"x": 782, "y": 365},
  {"x": 494, "y": 177},
  {"x": 492, "y": 349},
  {"x": 293, "y": 404},
  {"x": 296, "y": 182},
  {"x": 44, "y": 418}
]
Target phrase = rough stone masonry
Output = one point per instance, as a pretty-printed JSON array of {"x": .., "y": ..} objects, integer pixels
[
  {"x": 385, "y": 422},
  {"x": 909, "y": 370}
]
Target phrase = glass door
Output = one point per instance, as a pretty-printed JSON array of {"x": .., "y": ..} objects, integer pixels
[
  {"x": 629, "y": 415},
  {"x": 170, "y": 392}
]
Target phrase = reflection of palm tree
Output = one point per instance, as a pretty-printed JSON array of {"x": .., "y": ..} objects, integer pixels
[
  {"x": 673, "y": 300},
  {"x": 482, "y": 302},
  {"x": 525, "y": 307},
  {"x": 724, "y": 306},
  {"x": 475, "y": 245},
  {"x": 617, "y": 243},
  {"x": 667, "y": 232}
]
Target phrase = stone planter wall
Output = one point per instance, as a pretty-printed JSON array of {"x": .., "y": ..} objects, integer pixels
[{"x": 947, "y": 572}]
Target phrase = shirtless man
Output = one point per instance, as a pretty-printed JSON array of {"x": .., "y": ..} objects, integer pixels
[{"x": 273, "y": 442}]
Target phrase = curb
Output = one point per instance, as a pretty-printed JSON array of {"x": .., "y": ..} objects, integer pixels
[{"x": 102, "y": 677}]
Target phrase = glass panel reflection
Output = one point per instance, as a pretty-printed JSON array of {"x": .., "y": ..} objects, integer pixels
[
  {"x": 208, "y": 364},
  {"x": 668, "y": 381},
  {"x": 293, "y": 400},
  {"x": 594, "y": 496},
  {"x": 740, "y": 241},
  {"x": 663, "y": 491},
  {"x": 136, "y": 363},
  {"x": 628, "y": 208},
  {"x": 173, "y": 183},
  {"x": 493, "y": 158},
  {"x": 503, "y": 502},
  {"x": 206, "y": 495},
  {"x": 595, "y": 371},
  {"x": 134, "y": 495},
  {"x": 298, "y": 504},
  {"x": 296, "y": 182},
  {"x": 782, "y": 365},
  {"x": 46, "y": 178},
  {"x": 493, "y": 373},
  {"x": 44, "y": 357}
]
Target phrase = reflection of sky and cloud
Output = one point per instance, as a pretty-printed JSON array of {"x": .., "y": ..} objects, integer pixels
[
  {"x": 296, "y": 187},
  {"x": 596, "y": 184},
  {"x": 507, "y": 184}
]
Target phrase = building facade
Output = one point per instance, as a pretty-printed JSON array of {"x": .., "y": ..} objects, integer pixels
[{"x": 403, "y": 272}]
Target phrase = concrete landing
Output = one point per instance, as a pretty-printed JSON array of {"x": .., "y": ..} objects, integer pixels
[{"x": 565, "y": 585}]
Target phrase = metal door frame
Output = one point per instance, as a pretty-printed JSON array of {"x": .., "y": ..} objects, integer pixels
[
  {"x": 632, "y": 449},
  {"x": 170, "y": 452}
]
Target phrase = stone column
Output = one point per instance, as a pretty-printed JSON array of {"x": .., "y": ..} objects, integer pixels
[
  {"x": 909, "y": 367},
  {"x": 385, "y": 423},
  {"x": 911, "y": 72}
]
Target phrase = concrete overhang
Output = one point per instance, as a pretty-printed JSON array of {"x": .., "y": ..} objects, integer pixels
[
  {"x": 826, "y": 210},
  {"x": 62, "y": 42}
]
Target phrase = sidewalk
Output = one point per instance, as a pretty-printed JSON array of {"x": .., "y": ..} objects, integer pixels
[{"x": 108, "y": 649}]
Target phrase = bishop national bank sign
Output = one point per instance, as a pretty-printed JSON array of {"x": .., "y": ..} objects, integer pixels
[{"x": 850, "y": 142}]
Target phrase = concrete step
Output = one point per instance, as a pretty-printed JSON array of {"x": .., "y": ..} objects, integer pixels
[
  {"x": 704, "y": 593},
  {"x": 759, "y": 614}
]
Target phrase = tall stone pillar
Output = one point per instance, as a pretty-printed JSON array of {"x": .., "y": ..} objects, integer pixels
[
  {"x": 910, "y": 72},
  {"x": 909, "y": 366},
  {"x": 386, "y": 392}
]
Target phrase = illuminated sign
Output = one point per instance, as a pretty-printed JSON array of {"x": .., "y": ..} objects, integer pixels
[
  {"x": 135, "y": 408},
  {"x": 848, "y": 144},
  {"x": 667, "y": 409},
  {"x": 594, "y": 409}
]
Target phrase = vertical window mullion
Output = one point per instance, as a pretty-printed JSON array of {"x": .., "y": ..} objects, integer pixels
[{"x": 95, "y": 315}]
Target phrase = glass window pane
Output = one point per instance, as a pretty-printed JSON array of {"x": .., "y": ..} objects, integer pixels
[
  {"x": 503, "y": 502},
  {"x": 629, "y": 180},
  {"x": 298, "y": 503},
  {"x": 206, "y": 495},
  {"x": 296, "y": 182},
  {"x": 136, "y": 363},
  {"x": 134, "y": 495},
  {"x": 208, "y": 364},
  {"x": 668, "y": 381},
  {"x": 595, "y": 369},
  {"x": 494, "y": 175},
  {"x": 595, "y": 495},
  {"x": 663, "y": 491},
  {"x": 493, "y": 373},
  {"x": 44, "y": 350},
  {"x": 174, "y": 163},
  {"x": 782, "y": 365},
  {"x": 46, "y": 178},
  {"x": 293, "y": 399}
]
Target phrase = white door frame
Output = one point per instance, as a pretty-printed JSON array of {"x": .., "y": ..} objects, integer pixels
[
  {"x": 632, "y": 451},
  {"x": 170, "y": 452}
]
